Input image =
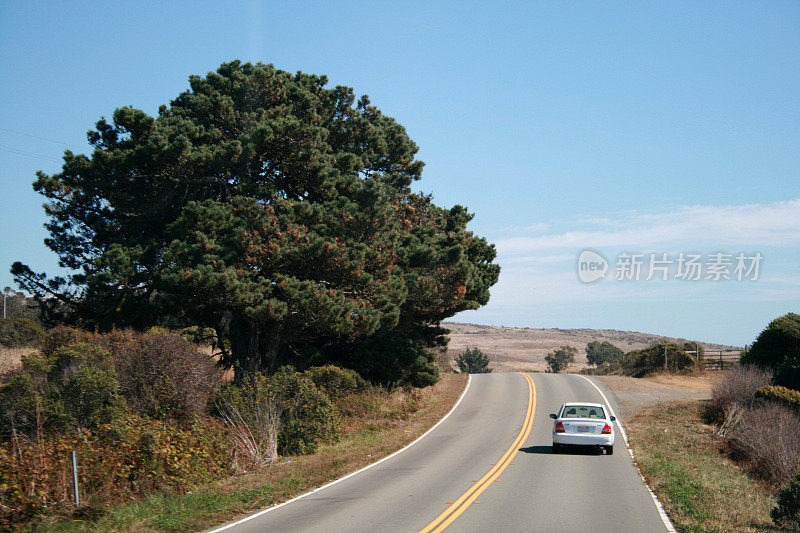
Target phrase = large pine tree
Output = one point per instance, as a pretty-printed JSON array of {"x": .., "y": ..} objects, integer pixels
[{"x": 274, "y": 210}]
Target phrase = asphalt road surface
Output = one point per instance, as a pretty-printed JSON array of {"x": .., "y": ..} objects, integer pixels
[{"x": 488, "y": 467}]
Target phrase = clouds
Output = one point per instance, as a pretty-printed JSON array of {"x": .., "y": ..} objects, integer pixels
[
  {"x": 687, "y": 227},
  {"x": 539, "y": 284}
]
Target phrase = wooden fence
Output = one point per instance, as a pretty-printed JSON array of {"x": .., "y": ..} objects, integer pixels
[{"x": 721, "y": 359}]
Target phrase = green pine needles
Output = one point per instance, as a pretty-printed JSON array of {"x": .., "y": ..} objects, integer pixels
[{"x": 272, "y": 209}]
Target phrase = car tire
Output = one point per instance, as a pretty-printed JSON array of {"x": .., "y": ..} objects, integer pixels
[{"x": 610, "y": 450}]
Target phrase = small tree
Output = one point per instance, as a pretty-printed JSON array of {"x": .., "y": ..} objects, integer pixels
[
  {"x": 473, "y": 361},
  {"x": 598, "y": 353},
  {"x": 561, "y": 358}
]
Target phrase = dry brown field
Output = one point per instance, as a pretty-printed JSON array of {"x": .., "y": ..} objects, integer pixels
[{"x": 524, "y": 349}]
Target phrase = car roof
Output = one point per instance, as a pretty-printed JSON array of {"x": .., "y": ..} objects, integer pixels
[{"x": 587, "y": 404}]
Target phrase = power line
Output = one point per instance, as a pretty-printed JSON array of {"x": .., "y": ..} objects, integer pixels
[
  {"x": 60, "y": 143},
  {"x": 28, "y": 154}
]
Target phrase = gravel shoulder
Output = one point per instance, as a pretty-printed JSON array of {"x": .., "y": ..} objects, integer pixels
[{"x": 636, "y": 394}]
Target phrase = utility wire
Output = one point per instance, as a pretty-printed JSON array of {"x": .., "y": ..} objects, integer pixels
[
  {"x": 60, "y": 143},
  {"x": 28, "y": 154}
]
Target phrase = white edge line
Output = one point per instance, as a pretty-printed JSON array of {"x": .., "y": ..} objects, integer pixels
[
  {"x": 661, "y": 512},
  {"x": 334, "y": 482}
]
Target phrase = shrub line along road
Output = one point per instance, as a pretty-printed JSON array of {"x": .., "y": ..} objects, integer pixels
[{"x": 487, "y": 466}]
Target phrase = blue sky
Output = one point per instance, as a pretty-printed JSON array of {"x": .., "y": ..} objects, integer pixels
[{"x": 622, "y": 128}]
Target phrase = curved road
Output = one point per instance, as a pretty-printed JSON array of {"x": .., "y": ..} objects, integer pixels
[{"x": 487, "y": 467}]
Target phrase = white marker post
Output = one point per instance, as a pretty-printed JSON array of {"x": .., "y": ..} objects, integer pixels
[{"x": 75, "y": 478}]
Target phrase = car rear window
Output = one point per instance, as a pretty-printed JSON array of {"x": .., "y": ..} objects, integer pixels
[{"x": 583, "y": 411}]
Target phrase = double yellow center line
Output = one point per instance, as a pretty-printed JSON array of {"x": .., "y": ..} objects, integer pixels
[{"x": 466, "y": 499}]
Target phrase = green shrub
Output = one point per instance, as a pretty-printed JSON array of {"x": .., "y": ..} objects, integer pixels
[
  {"x": 61, "y": 336},
  {"x": 284, "y": 414},
  {"x": 20, "y": 333},
  {"x": 598, "y": 353},
  {"x": 72, "y": 386},
  {"x": 308, "y": 418},
  {"x": 788, "y": 373},
  {"x": 561, "y": 358},
  {"x": 651, "y": 359},
  {"x": 787, "y": 513},
  {"x": 779, "y": 340},
  {"x": 473, "y": 361},
  {"x": 18, "y": 407},
  {"x": 783, "y": 395},
  {"x": 336, "y": 381}
]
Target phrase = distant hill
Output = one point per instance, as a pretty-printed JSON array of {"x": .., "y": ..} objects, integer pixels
[{"x": 524, "y": 349}]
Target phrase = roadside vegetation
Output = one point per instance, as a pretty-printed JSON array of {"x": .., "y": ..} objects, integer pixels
[
  {"x": 249, "y": 277},
  {"x": 659, "y": 357},
  {"x": 473, "y": 361},
  {"x": 700, "y": 487},
  {"x": 560, "y": 359},
  {"x": 149, "y": 413},
  {"x": 732, "y": 463}
]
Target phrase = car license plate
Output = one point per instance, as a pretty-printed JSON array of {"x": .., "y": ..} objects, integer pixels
[{"x": 583, "y": 429}]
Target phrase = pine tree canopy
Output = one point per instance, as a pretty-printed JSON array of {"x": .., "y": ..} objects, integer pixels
[{"x": 270, "y": 208}]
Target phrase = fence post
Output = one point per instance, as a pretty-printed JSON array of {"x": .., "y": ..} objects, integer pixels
[{"x": 75, "y": 479}]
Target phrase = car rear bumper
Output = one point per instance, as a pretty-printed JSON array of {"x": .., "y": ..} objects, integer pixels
[{"x": 583, "y": 440}]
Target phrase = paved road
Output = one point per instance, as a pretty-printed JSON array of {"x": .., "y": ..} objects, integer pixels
[{"x": 494, "y": 451}]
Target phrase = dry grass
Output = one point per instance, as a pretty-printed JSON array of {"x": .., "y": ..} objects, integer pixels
[
  {"x": 381, "y": 425},
  {"x": 766, "y": 439},
  {"x": 700, "y": 487},
  {"x": 524, "y": 349},
  {"x": 11, "y": 358},
  {"x": 736, "y": 388}
]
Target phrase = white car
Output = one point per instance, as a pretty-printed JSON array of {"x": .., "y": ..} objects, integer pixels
[{"x": 583, "y": 424}]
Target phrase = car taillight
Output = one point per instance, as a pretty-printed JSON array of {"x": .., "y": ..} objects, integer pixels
[
  {"x": 607, "y": 430},
  {"x": 559, "y": 427}
]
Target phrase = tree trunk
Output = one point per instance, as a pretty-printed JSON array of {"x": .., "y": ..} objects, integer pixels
[{"x": 252, "y": 349}]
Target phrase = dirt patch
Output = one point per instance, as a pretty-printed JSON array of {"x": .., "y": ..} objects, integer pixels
[{"x": 638, "y": 394}]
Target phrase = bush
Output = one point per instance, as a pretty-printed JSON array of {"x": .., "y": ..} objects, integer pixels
[
  {"x": 72, "y": 386},
  {"x": 736, "y": 387},
  {"x": 308, "y": 417},
  {"x": 336, "y": 381},
  {"x": 252, "y": 411},
  {"x": 473, "y": 361},
  {"x": 134, "y": 457},
  {"x": 767, "y": 439},
  {"x": 788, "y": 373},
  {"x": 161, "y": 375},
  {"x": 282, "y": 414},
  {"x": 780, "y": 340},
  {"x": 561, "y": 358},
  {"x": 598, "y": 353},
  {"x": 62, "y": 336},
  {"x": 20, "y": 333},
  {"x": 788, "y": 397},
  {"x": 787, "y": 512},
  {"x": 651, "y": 359}
]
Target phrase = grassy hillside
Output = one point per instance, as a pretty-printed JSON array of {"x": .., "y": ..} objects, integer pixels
[{"x": 524, "y": 349}]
